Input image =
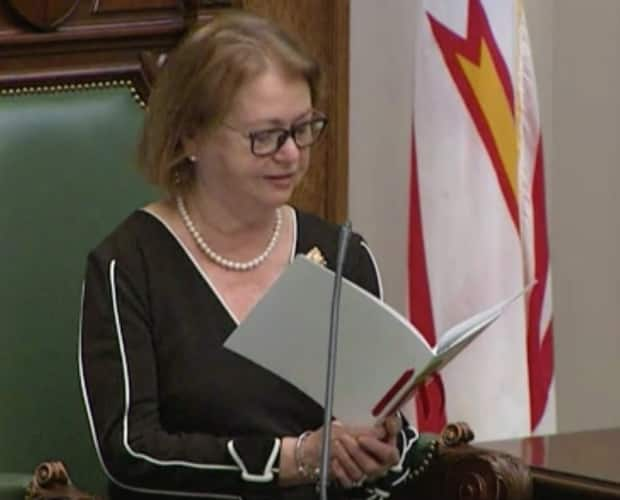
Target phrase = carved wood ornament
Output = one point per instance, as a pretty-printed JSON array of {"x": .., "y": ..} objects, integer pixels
[{"x": 43, "y": 14}]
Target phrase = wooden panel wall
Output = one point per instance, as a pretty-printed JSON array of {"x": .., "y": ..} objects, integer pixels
[{"x": 55, "y": 42}]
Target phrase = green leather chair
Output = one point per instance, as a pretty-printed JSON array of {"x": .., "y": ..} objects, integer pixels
[{"x": 66, "y": 179}]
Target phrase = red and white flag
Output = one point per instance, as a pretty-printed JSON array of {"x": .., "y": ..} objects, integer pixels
[{"x": 477, "y": 217}]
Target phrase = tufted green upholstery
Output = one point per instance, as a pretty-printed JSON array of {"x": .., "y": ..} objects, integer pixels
[{"x": 66, "y": 179}]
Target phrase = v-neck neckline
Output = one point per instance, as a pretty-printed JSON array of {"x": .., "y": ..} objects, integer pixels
[{"x": 203, "y": 273}]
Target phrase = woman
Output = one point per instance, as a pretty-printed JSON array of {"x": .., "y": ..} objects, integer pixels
[{"x": 227, "y": 137}]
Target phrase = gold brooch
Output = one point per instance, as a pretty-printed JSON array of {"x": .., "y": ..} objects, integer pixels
[{"x": 316, "y": 256}]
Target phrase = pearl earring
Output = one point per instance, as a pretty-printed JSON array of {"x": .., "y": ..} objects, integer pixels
[{"x": 192, "y": 158}]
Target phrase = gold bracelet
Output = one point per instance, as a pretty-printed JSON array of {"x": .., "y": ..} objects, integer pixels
[{"x": 304, "y": 470}]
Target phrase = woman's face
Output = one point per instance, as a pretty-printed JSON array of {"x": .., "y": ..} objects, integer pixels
[{"x": 226, "y": 167}]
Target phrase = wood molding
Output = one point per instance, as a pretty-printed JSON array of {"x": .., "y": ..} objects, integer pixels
[
  {"x": 106, "y": 6},
  {"x": 43, "y": 15}
]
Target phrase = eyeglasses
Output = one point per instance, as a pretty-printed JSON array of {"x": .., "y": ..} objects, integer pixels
[{"x": 267, "y": 142}]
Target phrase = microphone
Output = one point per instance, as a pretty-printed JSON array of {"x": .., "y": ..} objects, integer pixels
[{"x": 343, "y": 243}]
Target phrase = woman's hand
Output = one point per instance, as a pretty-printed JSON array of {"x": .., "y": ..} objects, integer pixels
[
  {"x": 392, "y": 424},
  {"x": 357, "y": 453},
  {"x": 384, "y": 452}
]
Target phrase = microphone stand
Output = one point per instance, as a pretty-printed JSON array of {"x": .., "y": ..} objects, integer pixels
[{"x": 343, "y": 243}]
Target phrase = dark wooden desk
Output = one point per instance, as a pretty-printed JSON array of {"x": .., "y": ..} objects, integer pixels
[{"x": 579, "y": 465}]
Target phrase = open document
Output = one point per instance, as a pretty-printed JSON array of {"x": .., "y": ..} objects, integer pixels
[{"x": 381, "y": 358}]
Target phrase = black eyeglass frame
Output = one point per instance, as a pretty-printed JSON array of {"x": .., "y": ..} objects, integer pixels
[{"x": 284, "y": 134}]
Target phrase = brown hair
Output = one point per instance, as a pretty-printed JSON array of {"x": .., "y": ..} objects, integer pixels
[{"x": 198, "y": 82}]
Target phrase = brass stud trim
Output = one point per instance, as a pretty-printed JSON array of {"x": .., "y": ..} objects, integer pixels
[
  {"x": 426, "y": 462},
  {"x": 73, "y": 87}
]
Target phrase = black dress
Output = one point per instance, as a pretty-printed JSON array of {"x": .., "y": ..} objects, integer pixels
[{"x": 174, "y": 414}]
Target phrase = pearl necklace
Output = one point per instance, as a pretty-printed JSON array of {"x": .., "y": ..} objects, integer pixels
[{"x": 217, "y": 258}]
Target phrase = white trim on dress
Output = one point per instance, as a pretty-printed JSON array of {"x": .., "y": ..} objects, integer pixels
[{"x": 126, "y": 385}]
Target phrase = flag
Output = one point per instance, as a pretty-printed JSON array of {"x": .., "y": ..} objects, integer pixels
[{"x": 477, "y": 228}]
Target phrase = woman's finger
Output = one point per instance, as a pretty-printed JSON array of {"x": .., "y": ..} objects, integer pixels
[
  {"x": 338, "y": 473},
  {"x": 386, "y": 454},
  {"x": 364, "y": 460},
  {"x": 377, "y": 431},
  {"x": 346, "y": 461},
  {"x": 392, "y": 425}
]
